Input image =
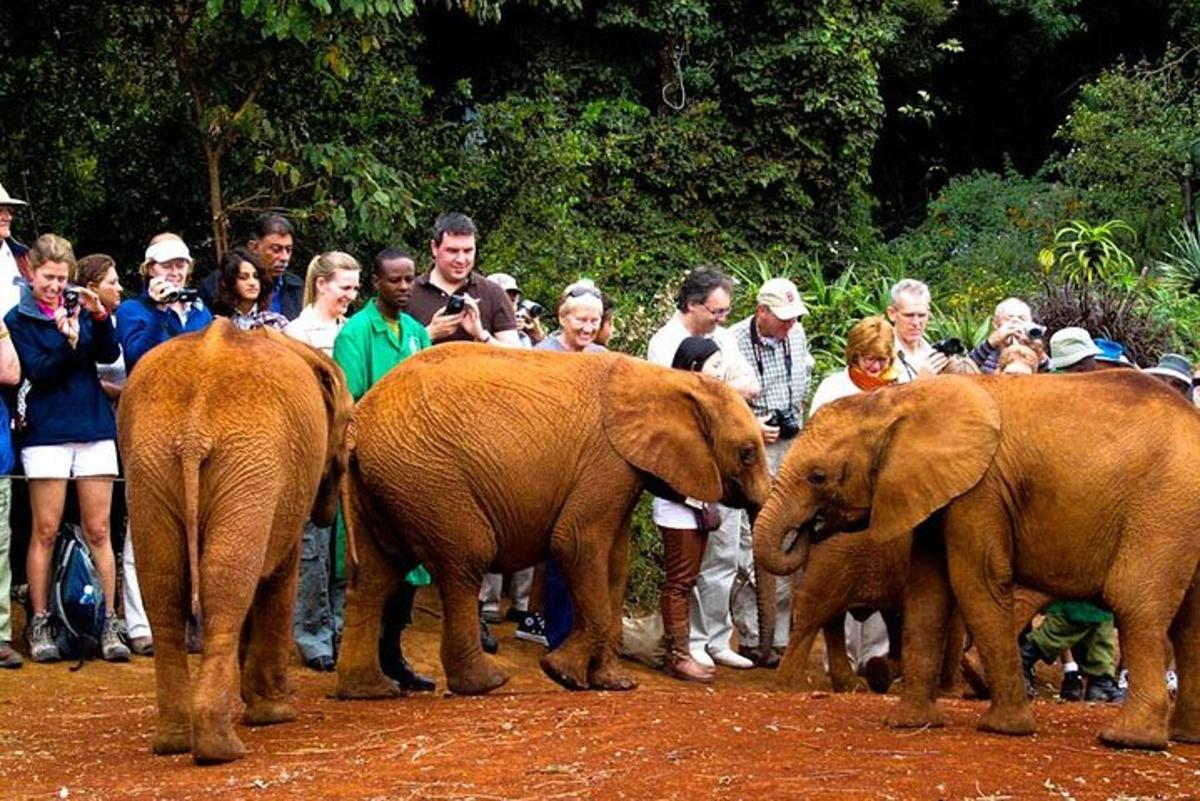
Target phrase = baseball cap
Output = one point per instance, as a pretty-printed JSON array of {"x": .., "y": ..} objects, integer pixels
[
  {"x": 506, "y": 282},
  {"x": 166, "y": 250},
  {"x": 782, "y": 298}
]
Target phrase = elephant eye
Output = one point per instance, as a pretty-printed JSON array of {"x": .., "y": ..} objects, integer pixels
[
  {"x": 748, "y": 455},
  {"x": 817, "y": 477}
]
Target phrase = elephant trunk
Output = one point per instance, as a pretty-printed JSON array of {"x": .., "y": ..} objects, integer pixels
[{"x": 778, "y": 546}]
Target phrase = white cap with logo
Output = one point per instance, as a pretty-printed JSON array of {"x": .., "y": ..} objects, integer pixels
[{"x": 782, "y": 298}]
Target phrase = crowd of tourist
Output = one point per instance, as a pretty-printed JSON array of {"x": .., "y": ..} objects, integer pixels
[{"x": 68, "y": 340}]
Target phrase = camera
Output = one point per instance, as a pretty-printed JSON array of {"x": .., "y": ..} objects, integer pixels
[
  {"x": 949, "y": 347},
  {"x": 456, "y": 303},
  {"x": 787, "y": 421},
  {"x": 1035, "y": 331},
  {"x": 185, "y": 295},
  {"x": 531, "y": 309},
  {"x": 70, "y": 299}
]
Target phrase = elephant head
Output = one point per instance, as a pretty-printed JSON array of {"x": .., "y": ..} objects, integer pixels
[
  {"x": 884, "y": 460},
  {"x": 691, "y": 432},
  {"x": 338, "y": 408}
]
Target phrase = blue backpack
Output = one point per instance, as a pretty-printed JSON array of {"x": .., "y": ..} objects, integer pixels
[{"x": 76, "y": 600}]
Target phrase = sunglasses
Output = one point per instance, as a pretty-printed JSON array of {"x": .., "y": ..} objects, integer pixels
[{"x": 581, "y": 291}]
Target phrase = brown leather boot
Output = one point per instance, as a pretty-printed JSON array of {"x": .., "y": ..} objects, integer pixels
[{"x": 682, "y": 551}]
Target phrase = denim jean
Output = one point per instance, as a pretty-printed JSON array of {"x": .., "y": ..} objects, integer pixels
[
  {"x": 315, "y": 622},
  {"x": 5, "y": 567}
]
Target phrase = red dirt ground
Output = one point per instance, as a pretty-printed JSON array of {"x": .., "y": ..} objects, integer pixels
[{"x": 87, "y": 735}]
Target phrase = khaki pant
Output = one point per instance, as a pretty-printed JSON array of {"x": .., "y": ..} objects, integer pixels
[
  {"x": 1092, "y": 644},
  {"x": 5, "y": 566}
]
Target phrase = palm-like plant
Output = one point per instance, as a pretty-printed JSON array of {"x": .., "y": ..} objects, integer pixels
[
  {"x": 1179, "y": 267},
  {"x": 1087, "y": 253}
]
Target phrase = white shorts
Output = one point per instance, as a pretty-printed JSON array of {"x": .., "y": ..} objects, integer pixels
[{"x": 71, "y": 459}]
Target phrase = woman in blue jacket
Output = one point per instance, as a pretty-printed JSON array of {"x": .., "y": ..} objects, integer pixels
[
  {"x": 69, "y": 430},
  {"x": 166, "y": 308}
]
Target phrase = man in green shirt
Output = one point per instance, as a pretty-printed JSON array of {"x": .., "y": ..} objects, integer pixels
[{"x": 370, "y": 344}]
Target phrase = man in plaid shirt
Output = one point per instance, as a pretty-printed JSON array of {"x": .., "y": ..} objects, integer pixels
[{"x": 772, "y": 341}]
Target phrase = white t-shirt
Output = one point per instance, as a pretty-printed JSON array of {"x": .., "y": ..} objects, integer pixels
[
  {"x": 661, "y": 350},
  {"x": 10, "y": 274},
  {"x": 910, "y": 364},
  {"x": 309, "y": 327}
]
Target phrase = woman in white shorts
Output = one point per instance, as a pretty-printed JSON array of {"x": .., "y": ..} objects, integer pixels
[{"x": 69, "y": 431}]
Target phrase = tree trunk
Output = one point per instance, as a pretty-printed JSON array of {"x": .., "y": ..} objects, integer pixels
[{"x": 220, "y": 223}]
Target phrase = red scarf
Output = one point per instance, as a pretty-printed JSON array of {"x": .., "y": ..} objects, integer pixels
[{"x": 867, "y": 382}]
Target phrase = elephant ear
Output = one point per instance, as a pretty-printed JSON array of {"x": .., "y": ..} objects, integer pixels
[
  {"x": 338, "y": 407},
  {"x": 941, "y": 440},
  {"x": 656, "y": 419}
]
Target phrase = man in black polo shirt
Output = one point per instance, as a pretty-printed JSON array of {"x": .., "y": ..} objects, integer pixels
[{"x": 486, "y": 315}]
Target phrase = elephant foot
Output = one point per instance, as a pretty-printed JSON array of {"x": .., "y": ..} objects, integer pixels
[
  {"x": 906, "y": 715},
  {"x": 1185, "y": 725},
  {"x": 358, "y": 685},
  {"x": 1115, "y": 736},
  {"x": 611, "y": 677},
  {"x": 1016, "y": 722},
  {"x": 480, "y": 679},
  {"x": 848, "y": 683},
  {"x": 564, "y": 670},
  {"x": 213, "y": 747},
  {"x": 264, "y": 712},
  {"x": 173, "y": 740}
]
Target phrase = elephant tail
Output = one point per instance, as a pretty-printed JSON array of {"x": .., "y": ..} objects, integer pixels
[
  {"x": 349, "y": 519},
  {"x": 192, "y": 451}
]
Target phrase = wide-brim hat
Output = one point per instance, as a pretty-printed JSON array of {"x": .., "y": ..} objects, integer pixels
[
  {"x": 782, "y": 298},
  {"x": 8, "y": 200},
  {"x": 1173, "y": 366},
  {"x": 1070, "y": 346}
]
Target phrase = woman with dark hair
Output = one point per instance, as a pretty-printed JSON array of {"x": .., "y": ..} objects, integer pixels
[
  {"x": 243, "y": 292},
  {"x": 684, "y": 528}
]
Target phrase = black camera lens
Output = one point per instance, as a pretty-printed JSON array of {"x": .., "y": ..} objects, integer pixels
[
  {"x": 950, "y": 347},
  {"x": 1035, "y": 331}
]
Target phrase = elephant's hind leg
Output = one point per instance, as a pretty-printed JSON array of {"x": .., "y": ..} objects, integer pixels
[
  {"x": 1185, "y": 636},
  {"x": 264, "y": 673},
  {"x": 469, "y": 671}
]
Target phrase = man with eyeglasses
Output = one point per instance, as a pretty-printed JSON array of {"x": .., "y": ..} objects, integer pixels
[
  {"x": 909, "y": 315},
  {"x": 772, "y": 340},
  {"x": 702, "y": 306}
]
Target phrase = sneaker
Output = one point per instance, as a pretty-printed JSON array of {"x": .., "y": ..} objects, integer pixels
[
  {"x": 731, "y": 659},
  {"x": 490, "y": 614},
  {"x": 486, "y": 640},
  {"x": 1104, "y": 689},
  {"x": 42, "y": 647},
  {"x": 9, "y": 658},
  {"x": 1172, "y": 683},
  {"x": 701, "y": 658},
  {"x": 515, "y": 615},
  {"x": 112, "y": 647},
  {"x": 533, "y": 629},
  {"x": 1072, "y": 686},
  {"x": 1123, "y": 679}
]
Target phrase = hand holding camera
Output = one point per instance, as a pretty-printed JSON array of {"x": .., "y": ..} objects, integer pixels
[
  {"x": 787, "y": 421},
  {"x": 163, "y": 292}
]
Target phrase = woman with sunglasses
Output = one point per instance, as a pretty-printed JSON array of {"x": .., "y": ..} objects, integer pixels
[{"x": 580, "y": 310}]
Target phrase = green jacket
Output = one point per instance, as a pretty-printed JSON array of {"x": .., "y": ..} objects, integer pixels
[
  {"x": 1079, "y": 611},
  {"x": 366, "y": 349}
]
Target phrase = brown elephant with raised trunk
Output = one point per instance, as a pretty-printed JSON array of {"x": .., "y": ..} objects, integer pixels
[
  {"x": 1022, "y": 485},
  {"x": 855, "y": 571},
  {"x": 231, "y": 441},
  {"x": 472, "y": 459}
]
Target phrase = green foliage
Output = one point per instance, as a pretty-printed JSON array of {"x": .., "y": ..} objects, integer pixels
[
  {"x": 1085, "y": 253},
  {"x": 645, "y": 562},
  {"x": 1179, "y": 266},
  {"x": 1130, "y": 135}
]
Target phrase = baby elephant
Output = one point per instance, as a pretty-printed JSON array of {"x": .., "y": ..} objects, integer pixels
[{"x": 231, "y": 441}]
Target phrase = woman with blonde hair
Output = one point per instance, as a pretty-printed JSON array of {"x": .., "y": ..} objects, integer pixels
[
  {"x": 329, "y": 288},
  {"x": 69, "y": 430},
  {"x": 871, "y": 363},
  {"x": 580, "y": 311}
]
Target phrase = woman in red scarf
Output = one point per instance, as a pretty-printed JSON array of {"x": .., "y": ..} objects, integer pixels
[{"x": 870, "y": 363}]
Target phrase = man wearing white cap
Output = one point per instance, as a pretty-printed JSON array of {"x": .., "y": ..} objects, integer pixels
[{"x": 773, "y": 343}]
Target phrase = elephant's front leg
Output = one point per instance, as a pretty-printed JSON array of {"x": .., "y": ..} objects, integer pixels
[
  {"x": 583, "y": 560},
  {"x": 264, "y": 671},
  {"x": 469, "y": 671},
  {"x": 607, "y": 673},
  {"x": 842, "y": 677},
  {"x": 927, "y": 607}
]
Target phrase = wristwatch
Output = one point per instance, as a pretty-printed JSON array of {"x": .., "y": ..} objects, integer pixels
[{"x": 487, "y": 337}]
